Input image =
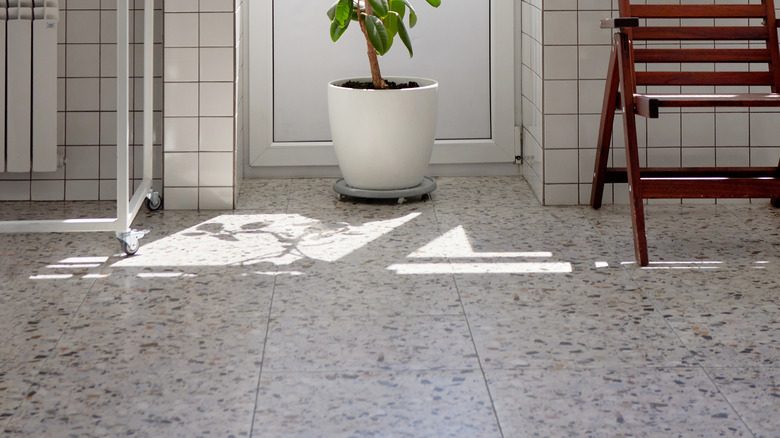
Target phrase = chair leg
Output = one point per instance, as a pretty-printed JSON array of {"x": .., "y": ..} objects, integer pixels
[
  {"x": 605, "y": 131},
  {"x": 632, "y": 154},
  {"x": 776, "y": 199}
]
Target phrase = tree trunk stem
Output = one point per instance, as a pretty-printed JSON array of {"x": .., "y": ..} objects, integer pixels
[{"x": 373, "y": 59}]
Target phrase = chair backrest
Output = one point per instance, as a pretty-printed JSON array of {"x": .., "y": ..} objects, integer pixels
[{"x": 705, "y": 44}]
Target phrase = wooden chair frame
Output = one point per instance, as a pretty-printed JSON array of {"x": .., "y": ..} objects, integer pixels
[{"x": 697, "y": 44}]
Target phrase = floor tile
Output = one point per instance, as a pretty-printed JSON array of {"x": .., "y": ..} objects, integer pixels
[
  {"x": 639, "y": 402},
  {"x": 376, "y": 403},
  {"x": 322, "y": 343},
  {"x": 754, "y": 393}
]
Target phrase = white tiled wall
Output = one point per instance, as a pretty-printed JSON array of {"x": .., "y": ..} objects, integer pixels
[
  {"x": 86, "y": 129},
  {"x": 201, "y": 89},
  {"x": 564, "y": 61}
]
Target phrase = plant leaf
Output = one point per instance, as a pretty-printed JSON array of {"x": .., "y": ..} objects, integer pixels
[
  {"x": 342, "y": 12},
  {"x": 405, "y": 37},
  {"x": 336, "y": 30},
  {"x": 399, "y": 8},
  {"x": 380, "y": 8},
  {"x": 377, "y": 34},
  {"x": 412, "y": 13},
  {"x": 434, "y": 3},
  {"x": 391, "y": 24}
]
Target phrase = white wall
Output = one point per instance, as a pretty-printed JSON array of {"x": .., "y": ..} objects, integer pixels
[{"x": 86, "y": 129}]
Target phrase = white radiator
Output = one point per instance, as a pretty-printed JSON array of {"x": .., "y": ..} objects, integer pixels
[{"x": 28, "y": 85}]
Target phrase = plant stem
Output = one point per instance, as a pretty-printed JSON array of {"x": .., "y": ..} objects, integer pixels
[{"x": 373, "y": 60}]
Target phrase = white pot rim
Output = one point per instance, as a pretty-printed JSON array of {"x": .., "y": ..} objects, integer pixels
[{"x": 425, "y": 83}]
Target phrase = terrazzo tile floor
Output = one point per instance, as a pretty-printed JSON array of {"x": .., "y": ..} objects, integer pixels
[{"x": 477, "y": 313}]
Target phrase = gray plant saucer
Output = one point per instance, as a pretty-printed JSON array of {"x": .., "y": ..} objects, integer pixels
[{"x": 427, "y": 186}]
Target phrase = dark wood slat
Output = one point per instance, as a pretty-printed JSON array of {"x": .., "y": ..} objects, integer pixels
[
  {"x": 619, "y": 22},
  {"x": 710, "y": 188},
  {"x": 704, "y": 78},
  {"x": 648, "y": 105},
  {"x": 619, "y": 174},
  {"x": 665, "y": 33},
  {"x": 698, "y": 11},
  {"x": 701, "y": 55}
]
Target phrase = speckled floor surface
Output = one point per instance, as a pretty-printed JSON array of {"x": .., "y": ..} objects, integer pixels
[{"x": 478, "y": 313}]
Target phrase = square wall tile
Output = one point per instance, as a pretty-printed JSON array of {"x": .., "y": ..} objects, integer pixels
[
  {"x": 216, "y": 29},
  {"x": 217, "y": 99},
  {"x": 83, "y": 27},
  {"x": 698, "y": 129},
  {"x": 14, "y": 190},
  {"x": 561, "y": 194},
  {"x": 217, "y": 64},
  {"x": 181, "y": 198},
  {"x": 181, "y": 99},
  {"x": 560, "y": 97},
  {"x": 560, "y": 28},
  {"x": 181, "y": 169},
  {"x": 764, "y": 129},
  {"x": 181, "y": 30},
  {"x": 215, "y": 198},
  {"x": 732, "y": 129},
  {"x": 561, "y": 166},
  {"x": 83, "y": 60},
  {"x": 216, "y": 5},
  {"x": 593, "y": 61},
  {"x": 664, "y": 131},
  {"x": 47, "y": 190},
  {"x": 82, "y": 128},
  {"x": 561, "y": 132},
  {"x": 181, "y": 6},
  {"x": 181, "y": 134},
  {"x": 216, "y": 169},
  {"x": 560, "y": 62},
  {"x": 589, "y": 28},
  {"x": 82, "y": 162},
  {"x": 698, "y": 157},
  {"x": 181, "y": 64},
  {"x": 82, "y": 190},
  {"x": 216, "y": 134}
]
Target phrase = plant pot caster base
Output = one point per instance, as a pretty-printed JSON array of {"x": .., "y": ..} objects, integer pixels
[{"x": 427, "y": 186}]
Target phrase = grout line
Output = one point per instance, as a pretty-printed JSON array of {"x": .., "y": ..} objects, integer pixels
[{"x": 471, "y": 333}]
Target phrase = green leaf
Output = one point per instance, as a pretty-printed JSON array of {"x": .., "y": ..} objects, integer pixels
[
  {"x": 405, "y": 37},
  {"x": 336, "y": 30},
  {"x": 399, "y": 8},
  {"x": 412, "y": 13},
  {"x": 434, "y": 3},
  {"x": 342, "y": 12},
  {"x": 391, "y": 25},
  {"x": 381, "y": 7},
  {"x": 377, "y": 34}
]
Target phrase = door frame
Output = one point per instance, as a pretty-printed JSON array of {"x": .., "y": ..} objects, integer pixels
[{"x": 265, "y": 152}]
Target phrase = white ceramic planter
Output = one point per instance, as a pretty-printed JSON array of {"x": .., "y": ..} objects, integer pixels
[{"x": 383, "y": 138}]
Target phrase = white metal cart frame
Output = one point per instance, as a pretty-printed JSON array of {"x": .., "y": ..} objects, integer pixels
[{"x": 125, "y": 211}]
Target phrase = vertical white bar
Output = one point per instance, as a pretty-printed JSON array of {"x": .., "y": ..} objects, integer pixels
[
  {"x": 19, "y": 93},
  {"x": 122, "y": 114},
  {"x": 3, "y": 18},
  {"x": 148, "y": 147},
  {"x": 44, "y": 94}
]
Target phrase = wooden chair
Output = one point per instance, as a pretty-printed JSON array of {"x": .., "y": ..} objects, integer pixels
[{"x": 678, "y": 46}]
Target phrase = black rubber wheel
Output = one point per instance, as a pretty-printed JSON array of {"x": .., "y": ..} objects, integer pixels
[
  {"x": 154, "y": 205},
  {"x": 775, "y": 202}
]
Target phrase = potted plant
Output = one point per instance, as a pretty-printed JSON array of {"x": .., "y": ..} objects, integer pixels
[{"x": 383, "y": 128}]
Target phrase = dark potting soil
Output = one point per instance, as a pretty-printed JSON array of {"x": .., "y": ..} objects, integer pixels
[{"x": 368, "y": 85}]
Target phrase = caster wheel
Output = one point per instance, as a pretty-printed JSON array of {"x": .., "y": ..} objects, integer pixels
[
  {"x": 130, "y": 249},
  {"x": 775, "y": 202},
  {"x": 154, "y": 202}
]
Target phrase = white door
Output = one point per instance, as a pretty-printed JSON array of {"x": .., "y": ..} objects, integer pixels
[{"x": 465, "y": 45}]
